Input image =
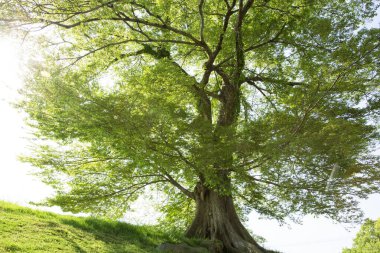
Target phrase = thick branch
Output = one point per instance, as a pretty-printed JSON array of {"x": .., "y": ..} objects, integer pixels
[
  {"x": 239, "y": 46},
  {"x": 209, "y": 65},
  {"x": 179, "y": 186},
  {"x": 225, "y": 26},
  {"x": 202, "y": 20},
  {"x": 253, "y": 47}
]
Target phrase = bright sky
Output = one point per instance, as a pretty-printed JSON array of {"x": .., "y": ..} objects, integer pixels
[
  {"x": 15, "y": 184},
  {"x": 315, "y": 235}
]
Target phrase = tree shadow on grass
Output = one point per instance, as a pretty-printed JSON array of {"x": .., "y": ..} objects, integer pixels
[
  {"x": 118, "y": 236},
  {"x": 61, "y": 233}
]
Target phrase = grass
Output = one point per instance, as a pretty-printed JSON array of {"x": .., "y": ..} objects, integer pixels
[{"x": 26, "y": 230}]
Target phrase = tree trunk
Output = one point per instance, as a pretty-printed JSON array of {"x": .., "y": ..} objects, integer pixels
[{"x": 216, "y": 219}]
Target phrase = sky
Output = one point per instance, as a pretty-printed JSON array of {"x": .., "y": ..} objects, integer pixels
[{"x": 17, "y": 185}]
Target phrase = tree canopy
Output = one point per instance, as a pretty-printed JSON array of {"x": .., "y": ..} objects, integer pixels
[
  {"x": 367, "y": 239},
  {"x": 273, "y": 105}
]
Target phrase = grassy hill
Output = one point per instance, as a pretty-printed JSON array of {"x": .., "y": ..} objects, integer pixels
[{"x": 26, "y": 230}]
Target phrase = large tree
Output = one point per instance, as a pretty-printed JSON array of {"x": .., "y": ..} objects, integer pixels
[{"x": 234, "y": 105}]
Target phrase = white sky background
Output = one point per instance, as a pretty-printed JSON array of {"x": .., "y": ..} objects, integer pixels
[
  {"x": 15, "y": 184},
  {"x": 315, "y": 235}
]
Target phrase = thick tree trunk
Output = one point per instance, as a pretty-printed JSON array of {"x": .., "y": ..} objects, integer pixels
[{"x": 216, "y": 219}]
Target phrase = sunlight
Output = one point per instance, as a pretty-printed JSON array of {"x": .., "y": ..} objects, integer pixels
[
  {"x": 9, "y": 64},
  {"x": 15, "y": 183}
]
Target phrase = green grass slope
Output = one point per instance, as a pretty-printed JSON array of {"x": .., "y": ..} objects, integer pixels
[{"x": 26, "y": 230}]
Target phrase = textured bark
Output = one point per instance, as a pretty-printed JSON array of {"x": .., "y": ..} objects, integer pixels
[{"x": 216, "y": 219}]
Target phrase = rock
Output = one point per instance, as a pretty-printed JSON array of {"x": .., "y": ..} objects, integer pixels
[{"x": 180, "y": 248}]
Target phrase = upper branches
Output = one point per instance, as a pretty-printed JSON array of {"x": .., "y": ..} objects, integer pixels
[
  {"x": 170, "y": 96},
  {"x": 239, "y": 46}
]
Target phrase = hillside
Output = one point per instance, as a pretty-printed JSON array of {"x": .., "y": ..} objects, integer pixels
[{"x": 26, "y": 230}]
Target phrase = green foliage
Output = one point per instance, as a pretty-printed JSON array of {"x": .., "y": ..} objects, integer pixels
[
  {"x": 26, "y": 230},
  {"x": 179, "y": 213},
  {"x": 281, "y": 111},
  {"x": 367, "y": 239}
]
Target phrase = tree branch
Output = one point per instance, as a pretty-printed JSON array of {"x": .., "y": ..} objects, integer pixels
[
  {"x": 239, "y": 46},
  {"x": 149, "y": 11},
  {"x": 263, "y": 93},
  {"x": 225, "y": 26},
  {"x": 253, "y": 47},
  {"x": 202, "y": 20},
  {"x": 123, "y": 17},
  {"x": 133, "y": 187},
  {"x": 274, "y": 39},
  {"x": 272, "y": 80},
  {"x": 165, "y": 26},
  {"x": 179, "y": 186}
]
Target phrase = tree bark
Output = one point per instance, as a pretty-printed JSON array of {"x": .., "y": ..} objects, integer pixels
[{"x": 216, "y": 219}]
